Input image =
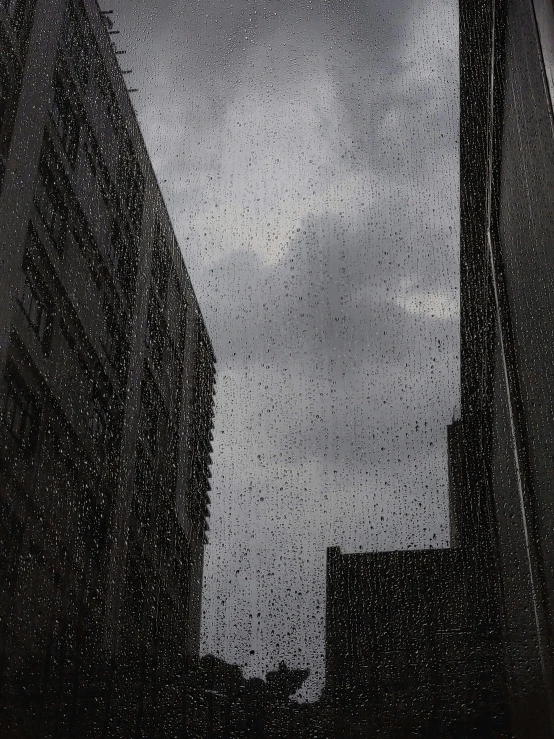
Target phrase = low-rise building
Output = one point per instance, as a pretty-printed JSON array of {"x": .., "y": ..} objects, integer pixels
[{"x": 413, "y": 637}]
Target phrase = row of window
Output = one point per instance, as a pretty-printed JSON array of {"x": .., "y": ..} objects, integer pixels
[
  {"x": 155, "y": 335},
  {"x": 160, "y": 264},
  {"x": 86, "y": 59},
  {"x": 20, "y": 13},
  {"x": 158, "y": 333},
  {"x": 121, "y": 253},
  {"x": 151, "y": 414},
  {"x": 95, "y": 403},
  {"x": 115, "y": 342},
  {"x": 38, "y": 312},
  {"x": 20, "y": 409},
  {"x": 11, "y": 6},
  {"x": 87, "y": 62},
  {"x": 66, "y": 121},
  {"x": 119, "y": 250},
  {"x": 5, "y": 92},
  {"x": 64, "y": 231},
  {"x": 162, "y": 351},
  {"x": 141, "y": 505},
  {"x": 51, "y": 207},
  {"x": 145, "y": 482},
  {"x": 11, "y": 535},
  {"x": 20, "y": 406},
  {"x": 113, "y": 338},
  {"x": 153, "y": 418},
  {"x": 78, "y": 43},
  {"x": 130, "y": 175}
]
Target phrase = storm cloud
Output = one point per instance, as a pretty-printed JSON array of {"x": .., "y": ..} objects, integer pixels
[{"x": 308, "y": 154}]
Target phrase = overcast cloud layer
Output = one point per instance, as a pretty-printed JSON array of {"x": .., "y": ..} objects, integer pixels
[{"x": 309, "y": 158}]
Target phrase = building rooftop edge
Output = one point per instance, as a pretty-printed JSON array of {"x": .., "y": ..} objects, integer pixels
[
  {"x": 123, "y": 91},
  {"x": 335, "y": 551}
]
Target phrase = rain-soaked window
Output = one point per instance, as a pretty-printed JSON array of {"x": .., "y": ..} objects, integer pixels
[{"x": 276, "y": 369}]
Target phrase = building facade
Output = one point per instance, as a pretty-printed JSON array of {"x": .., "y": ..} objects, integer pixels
[
  {"x": 106, "y": 396},
  {"x": 501, "y": 450},
  {"x": 413, "y": 637},
  {"x": 507, "y": 329}
]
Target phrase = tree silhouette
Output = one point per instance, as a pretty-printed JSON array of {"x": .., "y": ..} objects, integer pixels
[{"x": 283, "y": 683}]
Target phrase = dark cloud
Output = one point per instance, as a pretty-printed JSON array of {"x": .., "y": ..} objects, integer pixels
[{"x": 308, "y": 155}]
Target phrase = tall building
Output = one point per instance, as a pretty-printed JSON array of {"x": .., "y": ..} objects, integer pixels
[
  {"x": 501, "y": 450},
  {"x": 507, "y": 325},
  {"x": 106, "y": 396}
]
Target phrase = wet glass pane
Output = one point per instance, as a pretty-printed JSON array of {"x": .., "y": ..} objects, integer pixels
[{"x": 276, "y": 406}]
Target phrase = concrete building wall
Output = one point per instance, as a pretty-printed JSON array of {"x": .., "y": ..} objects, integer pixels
[
  {"x": 106, "y": 390},
  {"x": 412, "y": 645},
  {"x": 507, "y": 163}
]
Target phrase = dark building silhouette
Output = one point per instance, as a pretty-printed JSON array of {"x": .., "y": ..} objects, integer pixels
[
  {"x": 413, "y": 638},
  {"x": 106, "y": 397},
  {"x": 507, "y": 325},
  {"x": 394, "y": 619}
]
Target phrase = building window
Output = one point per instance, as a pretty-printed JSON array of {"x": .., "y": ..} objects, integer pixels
[
  {"x": 11, "y": 531},
  {"x": 144, "y": 482},
  {"x": 122, "y": 255},
  {"x": 12, "y": 6},
  {"x": 131, "y": 181},
  {"x": 160, "y": 264},
  {"x": 5, "y": 95},
  {"x": 66, "y": 123},
  {"x": 178, "y": 380},
  {"x": 20, "y": 12},
  {"x": 150, "y": 415},
  {"x": 20, "y": 412},
  {"x": 108, "y": 96},
  {"x": 115, "y": 344},
  {"x": 79, "y": 49},
  {"x": 4, "y": 92},
  {"x": 92, "y": 521},
  {"x": 37, "y": 312},
  {"x": 50, "y": 205},
  {"x": 116, "y": 248},
  {"x": 91, "y": 156},
  {"x": 155, "y": 335},
  {"x": 181, "y": 328},
  {"x": 97, "y": 424},
  {"x": 173, "y": 460}
]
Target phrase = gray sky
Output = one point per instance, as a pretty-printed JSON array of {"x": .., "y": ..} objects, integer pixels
[{"x": 308, "y": 154}]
